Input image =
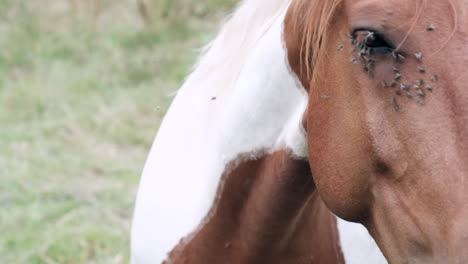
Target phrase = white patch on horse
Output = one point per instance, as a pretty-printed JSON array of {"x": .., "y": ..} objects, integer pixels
[{"x": 357, "y": 245}]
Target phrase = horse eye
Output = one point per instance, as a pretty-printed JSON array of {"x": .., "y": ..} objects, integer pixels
[{"x": 372, "y": 40}]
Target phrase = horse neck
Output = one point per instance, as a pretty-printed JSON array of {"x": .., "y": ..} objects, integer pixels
[
  {"x": 250, "y": 87},
  {"x": 259, "y": 115},
  {"x": 224, "y": 58},
  {"x": 257, "y": 109}
]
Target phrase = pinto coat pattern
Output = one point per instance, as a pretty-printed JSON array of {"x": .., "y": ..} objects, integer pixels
[
  {"x": 202, "y": 146},
  {"x": 302, "y": 132}
]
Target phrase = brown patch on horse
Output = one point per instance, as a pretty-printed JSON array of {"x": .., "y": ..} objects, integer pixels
[{"x": 266, "y": 211}]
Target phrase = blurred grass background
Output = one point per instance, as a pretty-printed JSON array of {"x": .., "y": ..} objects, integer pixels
[{"x": 83, "y": 87}]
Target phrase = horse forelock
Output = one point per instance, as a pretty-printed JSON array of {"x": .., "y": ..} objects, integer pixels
[{"x": 309, "y": 21}]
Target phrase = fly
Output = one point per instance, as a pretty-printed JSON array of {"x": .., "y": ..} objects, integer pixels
[
  {"x": 383, "y": 84},
  {"x": 418, "y": 56},
  {"x": 421, "y": 93},
  {"x": 398, "y": 56},
  {"x": 396, "y": 107},
  {"x": 397, "y": 76},
  {"x": 370, "y": 37}
]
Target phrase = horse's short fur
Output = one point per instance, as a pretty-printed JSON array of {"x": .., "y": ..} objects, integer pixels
[
  {"x": 257, "y": 175},
  {"x": 394, "y": 158}
]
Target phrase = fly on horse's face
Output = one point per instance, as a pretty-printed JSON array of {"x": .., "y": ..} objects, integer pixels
[{"x": 389, "y": 147}]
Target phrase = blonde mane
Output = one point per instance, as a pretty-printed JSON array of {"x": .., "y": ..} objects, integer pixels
[{"x": 311, "y": 20}]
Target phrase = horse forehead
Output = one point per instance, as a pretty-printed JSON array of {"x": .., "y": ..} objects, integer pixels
[
  {"x": 372, "y": 6},
  {"x": 398, "y": 4},
  {"x": 439, "y": 10}
]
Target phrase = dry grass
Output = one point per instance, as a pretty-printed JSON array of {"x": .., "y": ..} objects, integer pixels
[{"x": 81, "y": 82}]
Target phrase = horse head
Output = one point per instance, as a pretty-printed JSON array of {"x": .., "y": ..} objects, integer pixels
[{"x": 387, "y": 118}]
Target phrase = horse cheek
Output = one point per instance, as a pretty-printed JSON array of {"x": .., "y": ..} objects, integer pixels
[{"x": 339, "y": 155}]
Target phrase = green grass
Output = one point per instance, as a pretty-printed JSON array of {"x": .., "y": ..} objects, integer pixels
[{"x": 81, "y": 83}]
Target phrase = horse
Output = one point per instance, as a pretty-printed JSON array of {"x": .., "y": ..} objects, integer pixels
[{"x": 310, "y": 131}]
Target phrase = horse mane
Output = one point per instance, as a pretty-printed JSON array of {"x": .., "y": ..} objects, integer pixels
[
  {"x": 311, "y": 20},
  {"x": 221, "y": 61}
]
